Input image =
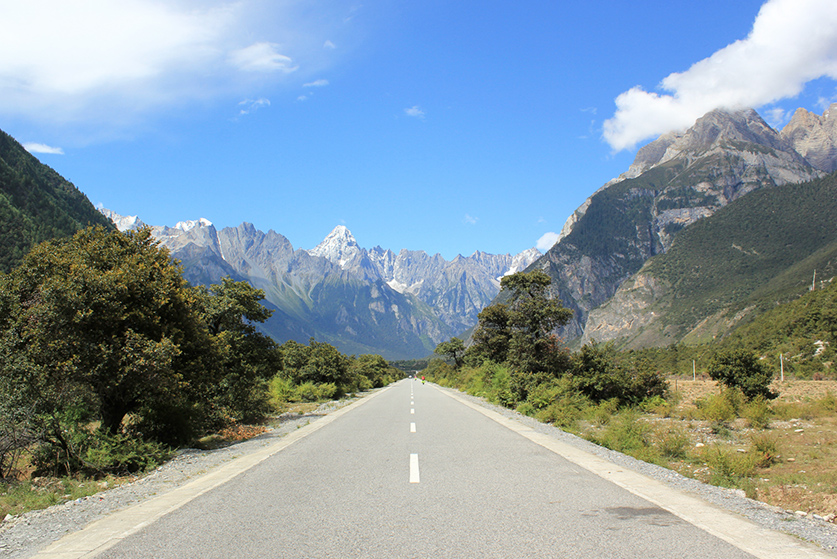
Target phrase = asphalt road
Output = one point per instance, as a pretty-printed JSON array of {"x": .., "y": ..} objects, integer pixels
[{"x": 415, "y": 473}]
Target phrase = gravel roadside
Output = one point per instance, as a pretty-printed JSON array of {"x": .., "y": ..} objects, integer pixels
[{"x": 24, "y": 535}]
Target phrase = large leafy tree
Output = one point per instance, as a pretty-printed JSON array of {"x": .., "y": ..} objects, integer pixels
[
  {"x": 519, "y": 331},
  {"x": 247, "y": 357},
  {"x": 453, "y": 349},
  {"x": 742, "y": 369},
  {"x": 103, "y": 324}
]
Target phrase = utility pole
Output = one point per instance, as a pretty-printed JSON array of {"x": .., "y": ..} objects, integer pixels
[{"x": 782, "y": 366}]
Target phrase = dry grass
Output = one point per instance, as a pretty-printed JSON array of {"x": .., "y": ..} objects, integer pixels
[{"x": 801, "y": 475}]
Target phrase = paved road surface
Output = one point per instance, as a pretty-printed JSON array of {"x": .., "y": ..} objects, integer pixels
[{"x": 415, "y": 473}]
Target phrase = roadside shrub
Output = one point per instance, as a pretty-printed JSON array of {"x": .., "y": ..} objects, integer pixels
[
  {"x": 794, "y": 410},
  {"x": 498, "y": 381},
  {"x": 629, "y": 434},
  {"x": 757, "y": 413},
  {"x": 657, "y": 405},
  {"x": 281, "y": 390},
  {"x": 566, "y": 410},
  {"x": 526, "y": 409},
  {"x": 557, "y": 402},
  {"x": 827, "y": 404},
  {"x": 97, "y": 453},
  {"x": 721, "y": 408},
  {"x": 544, "y": 394},
  {"x": 728, "y": 468},
  {"x": 765, "y": 449},
  {"x": 119, "y": 454},
  {"x": 673, "y": 442},
  {"x": 602, "y": 413},
  {"x": 310, "y": 392}
]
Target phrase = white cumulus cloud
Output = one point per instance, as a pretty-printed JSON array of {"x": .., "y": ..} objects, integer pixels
[
  {"x": 547, "y": 241},
  {"x": 34, "y": 147},
  {"x": 791, "y": 43}
]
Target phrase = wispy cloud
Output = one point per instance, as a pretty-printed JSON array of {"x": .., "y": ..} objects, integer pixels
[
  {"x": 251, "y": 105},
  {"x": 470, "y": 220},
  {"x": 329, "y": 45},
  {"x": 546, "y": 241},
  {"x": 792, "y": 42},
  {"x": 262, "y": 57},
  {"x": 33, "y": 147},
  {"x": 414, "y": 111},
  {"x": 316, "y": 83}
]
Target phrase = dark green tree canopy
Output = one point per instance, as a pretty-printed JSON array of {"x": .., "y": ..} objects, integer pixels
[
  {"x": 453, "y": 349},
  {"x": 519, "y": 331},
  {"x": 105, "y": 318},
  {"x": 742, "y": 369}
]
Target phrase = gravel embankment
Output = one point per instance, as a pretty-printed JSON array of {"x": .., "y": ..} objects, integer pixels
[{"x": 24, "y": 535}]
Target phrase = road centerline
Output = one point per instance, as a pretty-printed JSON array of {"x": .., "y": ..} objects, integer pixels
[{"x": 414, "y": 468}]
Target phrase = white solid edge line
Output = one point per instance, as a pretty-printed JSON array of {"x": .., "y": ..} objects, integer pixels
[
  {"x": 106, "y": 532},
  {"x": 728, "y": 526},
  {"x": 414, "y": 468}
]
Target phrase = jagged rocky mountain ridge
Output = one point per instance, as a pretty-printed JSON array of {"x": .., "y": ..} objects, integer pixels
[
  {"x": 363, "y": 301},
  {"x": 675, "y": 181}
]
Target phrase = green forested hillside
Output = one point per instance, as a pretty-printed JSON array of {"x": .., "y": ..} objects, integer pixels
[
  {"x": 36, "y": 204},
  {"x": 757, "y": 252},
  {"x": 804, "y": 331}
]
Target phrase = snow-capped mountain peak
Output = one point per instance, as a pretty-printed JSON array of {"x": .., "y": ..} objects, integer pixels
[
  {"x": 123, "y": 222},
  {"x": 191, "y": 224},
  {"x": 339, "y": 246},
  {"x": 521, "y": 261}
]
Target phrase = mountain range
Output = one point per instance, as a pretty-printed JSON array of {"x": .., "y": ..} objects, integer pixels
[
  {"x": 363, "y": 301},
  {"x": 707, "y": 228},
  {"x": 676, "y": 181}
]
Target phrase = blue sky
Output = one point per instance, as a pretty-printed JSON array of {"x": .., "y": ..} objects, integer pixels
[{"x": 440, "y": 126}]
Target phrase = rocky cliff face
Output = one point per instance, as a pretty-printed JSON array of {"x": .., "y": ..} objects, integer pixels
[
  {"x": 814, "y": 137},
  {"x": 363, "y": 301},
  {"x": 674, "y": 181}
]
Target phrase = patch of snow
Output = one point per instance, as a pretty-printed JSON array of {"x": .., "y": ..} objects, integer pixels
[
  {"x": 338, "y": 247},
  {"x": 191, "y": 224},
  {"x": 122, "y": 222}
]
